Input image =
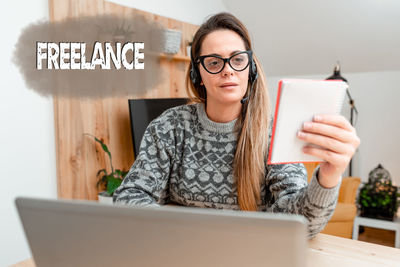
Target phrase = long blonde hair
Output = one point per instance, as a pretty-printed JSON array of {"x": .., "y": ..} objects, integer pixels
[{"x": 253, "y": 122}]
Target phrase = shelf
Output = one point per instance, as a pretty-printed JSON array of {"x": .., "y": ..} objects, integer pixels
[{"x": 174, "y": 57}]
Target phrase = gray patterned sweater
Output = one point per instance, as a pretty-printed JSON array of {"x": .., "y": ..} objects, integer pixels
[{"x": 186, "y": 159}]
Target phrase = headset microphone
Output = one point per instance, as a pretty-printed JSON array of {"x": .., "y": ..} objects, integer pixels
[
  {"x": 253, "y": 75},
  {"x": 244, "y": 99}
]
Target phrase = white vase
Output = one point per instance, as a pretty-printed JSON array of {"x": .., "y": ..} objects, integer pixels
[
  {"x": 104, "y": 198},
  {"x": 171, "y": 41}
]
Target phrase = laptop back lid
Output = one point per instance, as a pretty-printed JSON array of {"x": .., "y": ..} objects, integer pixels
[{"x": 83, "y": 233}]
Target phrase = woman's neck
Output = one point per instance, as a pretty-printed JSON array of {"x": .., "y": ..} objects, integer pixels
[{"x": 223, "y": 113}]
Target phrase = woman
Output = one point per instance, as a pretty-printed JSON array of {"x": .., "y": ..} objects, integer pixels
[{"x": 213, "y": 153}]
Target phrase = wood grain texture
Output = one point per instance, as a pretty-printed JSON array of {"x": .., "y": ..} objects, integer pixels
[
  {"x": 331, "y": 251},
  {"x": 78, "y": 156}
]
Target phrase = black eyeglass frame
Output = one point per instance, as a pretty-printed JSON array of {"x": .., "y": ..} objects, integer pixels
[{"x": 200, "y": 59}]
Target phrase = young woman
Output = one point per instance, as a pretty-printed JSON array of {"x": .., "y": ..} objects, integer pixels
[{"x": 213, "y": 153}]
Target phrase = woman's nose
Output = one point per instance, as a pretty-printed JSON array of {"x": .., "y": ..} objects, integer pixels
[{"x": 227, "y": 70}]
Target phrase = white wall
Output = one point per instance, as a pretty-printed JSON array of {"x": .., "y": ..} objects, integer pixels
[
  {"x": 27, "y": 155},
  {"x": 377, "y": 96},
  {"x": 28, "y": 164},
  {"x": 185, "y": 10},
  {"x": 27, "y": 126}
]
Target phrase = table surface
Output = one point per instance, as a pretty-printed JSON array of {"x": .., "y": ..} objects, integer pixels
[{"x": 326, "y": 250}]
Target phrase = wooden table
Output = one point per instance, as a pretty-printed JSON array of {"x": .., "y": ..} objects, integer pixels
[{"x": 326, "y": 250}]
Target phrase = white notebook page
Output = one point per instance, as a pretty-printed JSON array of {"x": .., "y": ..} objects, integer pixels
[{"x": 297, "y": 102}]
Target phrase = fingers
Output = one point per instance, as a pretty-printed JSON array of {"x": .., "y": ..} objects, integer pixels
[
  {"x": 334, "y": 120},
  {"x": 334, "y": 126},
  {"x": 333, "y": 135},
  {"x": 336, "y": 159},
  {"x": 333, "y": 139},
  {"x": 328, "y": 130},
  {"x": 326, "y": 142}
]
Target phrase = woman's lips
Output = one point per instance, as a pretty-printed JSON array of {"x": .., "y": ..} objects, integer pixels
[{"x": 228, "y": 85}]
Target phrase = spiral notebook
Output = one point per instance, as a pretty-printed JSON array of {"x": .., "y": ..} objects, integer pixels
[{"x": 297, "y": 102}]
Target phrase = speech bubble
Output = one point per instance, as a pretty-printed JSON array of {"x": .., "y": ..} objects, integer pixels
[{"x": 97, "y": 82}]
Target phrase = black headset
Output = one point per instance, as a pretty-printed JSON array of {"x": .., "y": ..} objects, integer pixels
[{"x": 196, "y": 78}]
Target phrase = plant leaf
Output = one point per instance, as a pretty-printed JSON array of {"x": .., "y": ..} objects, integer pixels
[
  {"x": 118, "y": 172},
  {"x": 100, "y": 171},
  {"x": 121, "y": 173},
  {"x": 102, "y": 181},
  {"x": 105, "y": 148},
  {"x": 112, "y": 184}
]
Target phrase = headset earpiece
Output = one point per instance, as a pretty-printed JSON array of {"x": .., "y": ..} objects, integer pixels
[
  {"x": 194, "y": 75},
  {"x": 253, "y": 74}
]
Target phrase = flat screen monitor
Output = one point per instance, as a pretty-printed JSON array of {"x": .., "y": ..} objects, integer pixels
[{"x": 143, "y": 111}]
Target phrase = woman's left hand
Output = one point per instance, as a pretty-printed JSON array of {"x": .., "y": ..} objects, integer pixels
[{"x": 337, "y": 142}]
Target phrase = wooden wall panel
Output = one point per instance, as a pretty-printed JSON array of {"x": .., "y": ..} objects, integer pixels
[{"x": 78, "y": 158}]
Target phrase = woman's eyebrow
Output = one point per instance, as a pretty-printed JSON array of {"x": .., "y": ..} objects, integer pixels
[
  {"x": 236, "y": 51},
  {"x": 214, "y": 54}
]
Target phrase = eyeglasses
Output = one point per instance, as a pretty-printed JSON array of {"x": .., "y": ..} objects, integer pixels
[{"x": 215, "y": 64}]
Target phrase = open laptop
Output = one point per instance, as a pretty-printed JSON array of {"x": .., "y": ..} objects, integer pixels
[{"x": 84, "y": 233}]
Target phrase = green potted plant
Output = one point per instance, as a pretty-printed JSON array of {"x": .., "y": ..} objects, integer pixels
[
  {"x": 108, "y": 182},
  {"x": 378, "y": 198}
]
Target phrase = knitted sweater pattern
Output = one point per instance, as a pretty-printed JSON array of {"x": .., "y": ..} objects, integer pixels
[{"x": 187, "y": 159}]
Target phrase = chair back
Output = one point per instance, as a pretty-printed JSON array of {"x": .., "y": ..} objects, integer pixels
[{"x": 348, "y": 189}]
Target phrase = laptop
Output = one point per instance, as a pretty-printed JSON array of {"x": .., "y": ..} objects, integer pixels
[{"x": 85, "y": 233}]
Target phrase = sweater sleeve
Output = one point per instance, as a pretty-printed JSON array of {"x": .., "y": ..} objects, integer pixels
[
  {"x": 290, "y": 193},
  {"x": 147, "y": 181}
]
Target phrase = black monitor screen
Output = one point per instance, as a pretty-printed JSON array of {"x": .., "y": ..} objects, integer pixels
[{"x": 143, "y": 111}]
